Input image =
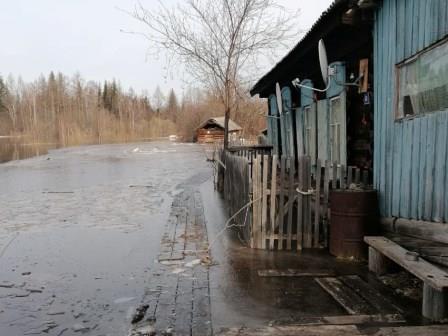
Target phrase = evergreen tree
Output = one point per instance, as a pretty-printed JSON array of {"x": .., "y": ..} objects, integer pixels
[
  {"x": 3, "y": 95},
  {"x": 106, "y": 96},
  {"x": 172, "y": 106},
  {"x": 158, "y": 99},
  {"x": 99, "y": 96},
  {"x": 114, "y": 99}
]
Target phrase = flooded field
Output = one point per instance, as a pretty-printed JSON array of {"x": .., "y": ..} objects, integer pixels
[{"x": 79, "y": 231}]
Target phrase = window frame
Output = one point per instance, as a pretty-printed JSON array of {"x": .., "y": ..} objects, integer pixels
[{"x": 398, "y": 66}]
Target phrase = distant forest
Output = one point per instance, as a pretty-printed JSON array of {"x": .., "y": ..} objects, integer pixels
[{"x": 72, "y": 111}]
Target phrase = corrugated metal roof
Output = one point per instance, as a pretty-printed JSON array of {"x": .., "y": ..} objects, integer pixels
[
  {"x": 327, "y": 13},
  {"x": 219, "y": 121}
]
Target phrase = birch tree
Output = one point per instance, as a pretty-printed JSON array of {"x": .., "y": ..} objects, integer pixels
[{"x": 220, "y": 43}]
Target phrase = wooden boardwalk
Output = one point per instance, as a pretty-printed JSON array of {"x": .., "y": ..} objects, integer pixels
[{"x": 177, "y": 300}]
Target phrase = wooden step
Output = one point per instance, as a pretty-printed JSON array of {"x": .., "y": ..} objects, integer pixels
[
  {"x": 346, "y": 297},
  {"x": 370, "y": 294},
  {"x": 357, "y": 297}
]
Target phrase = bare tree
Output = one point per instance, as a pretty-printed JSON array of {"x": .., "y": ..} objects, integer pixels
[{"x": 219, "y": 42}]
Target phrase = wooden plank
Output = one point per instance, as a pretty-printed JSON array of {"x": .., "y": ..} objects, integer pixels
[
  {"x": 317, "y": 203},
  {"x": 349, "y": 319},
  {"x": 364, "y": 319},
  {"x": 436, "y": 232},
  {"x": 184, "y": 297},
  {"x": 255, "y": 216},
  {"x": 259, "y": 202},
  {"x": 348, "y": 299},
  {"x": 339, "y": 176},
  {"x": 357, "y": 176},
  {"x": 281, "y": 201},
  {"x": 440, "y": 200},
  {"x": 372, "y": 296},
  {"x": 264, "y": 204},
  {"x": 349, "y": 176},
  {"x": 427, "y": 330},
  {"x": 334, "y": 176},
  {"x": 315, "y": 330},
  {"x": 325, "y": 205},
  {"x": 291, "y": 193},
  {"x": 435, "y": 303},
  {"x": 422, "y": 269},
  {"x": 273, "y": 200},
  {"x": 249, "y": 187},
  {"x": 308, "y": 238},
  {"x": 301, "y": 229},
  {"x": 342, "y": 177},
  {"x": 365, "y": 178},
  {"x": 378, "y": 263},
  {"x": 290, "y": 272}
]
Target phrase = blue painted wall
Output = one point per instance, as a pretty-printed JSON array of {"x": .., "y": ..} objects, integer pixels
[
  {"x": 287, "y": 122},
  {"x": 410, "y": 156},
  {"x": 272, "y": 122}
]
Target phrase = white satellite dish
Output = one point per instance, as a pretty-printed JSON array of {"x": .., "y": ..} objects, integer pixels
[
  {"x": 278, "y": 94},
  {"x": 323, "y": 60}
]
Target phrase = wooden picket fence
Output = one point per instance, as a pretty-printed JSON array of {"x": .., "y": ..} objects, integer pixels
[
  {"x": 289, "y": 199},
  {"x": 237, "y": 190}
]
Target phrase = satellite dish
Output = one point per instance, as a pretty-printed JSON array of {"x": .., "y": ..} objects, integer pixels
[
  {"x": 323, "y": 60},
  {"x": 278, "y": 94}
]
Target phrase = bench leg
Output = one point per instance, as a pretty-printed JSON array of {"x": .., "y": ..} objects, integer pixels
[
  {"x": 378, "y": 263},
  {"x": 435, "y": 303}
]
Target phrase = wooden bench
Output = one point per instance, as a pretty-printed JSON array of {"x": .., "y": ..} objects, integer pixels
[{"x": 383, "y": 251}]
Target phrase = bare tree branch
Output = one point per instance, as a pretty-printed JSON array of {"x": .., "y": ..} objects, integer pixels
[{"x": 221, "y": 43}]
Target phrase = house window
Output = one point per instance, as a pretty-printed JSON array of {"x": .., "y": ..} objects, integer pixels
[{"x": 422, "y": 82}]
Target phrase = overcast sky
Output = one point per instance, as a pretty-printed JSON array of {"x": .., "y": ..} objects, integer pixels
[{"x": 85, "y": 36}]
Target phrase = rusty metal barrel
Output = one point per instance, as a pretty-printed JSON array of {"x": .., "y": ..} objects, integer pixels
[{"x": 354, "y": 214}]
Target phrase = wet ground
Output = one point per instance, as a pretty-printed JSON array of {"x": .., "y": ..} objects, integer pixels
[{"x": 129, "y": 240}]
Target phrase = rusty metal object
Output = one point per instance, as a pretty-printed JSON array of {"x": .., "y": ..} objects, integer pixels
[{"x": 354, "y": 214}]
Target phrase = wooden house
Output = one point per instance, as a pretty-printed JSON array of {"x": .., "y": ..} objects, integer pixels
[
  {"x": 384, "y": 110},
  {"x": 393, "y": 121},
  {"x": 212, "y": 130}
]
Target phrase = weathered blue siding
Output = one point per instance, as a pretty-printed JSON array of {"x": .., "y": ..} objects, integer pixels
[
  {"x": 287, "y": 120},
  {"x": 410, "y": 156},
  {"x": 272, "y": 122}
]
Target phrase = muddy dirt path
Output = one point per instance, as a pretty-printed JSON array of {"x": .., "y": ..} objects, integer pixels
[{"x": 80, "y": 230}]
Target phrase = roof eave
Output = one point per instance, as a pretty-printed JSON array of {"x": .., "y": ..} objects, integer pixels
[{"x": 327, "y": 21}]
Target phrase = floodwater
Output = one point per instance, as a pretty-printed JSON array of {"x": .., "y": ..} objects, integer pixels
[
  {"x": 79, "y": 231},
  {"x": 17, "y": 149}
]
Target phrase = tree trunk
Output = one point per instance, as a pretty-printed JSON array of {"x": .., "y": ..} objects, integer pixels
[{"x": 226, "y": 129}]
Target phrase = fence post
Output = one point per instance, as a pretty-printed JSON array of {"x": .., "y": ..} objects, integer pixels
[
  {"x": 300, "y": 216},
  {"x": 317, "y": 202},
  {"x": 281, "y": 216},
  {"x": 273, "y": 200},
  {"x": 255, "y": 205},
  {"x": 326, "y": 195},
  {"x": 307, "y": 202},
  {"x": 264, "y": 203},
  {"x": 343, "y": 177},
  {"x": 291, "y": 193}
]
